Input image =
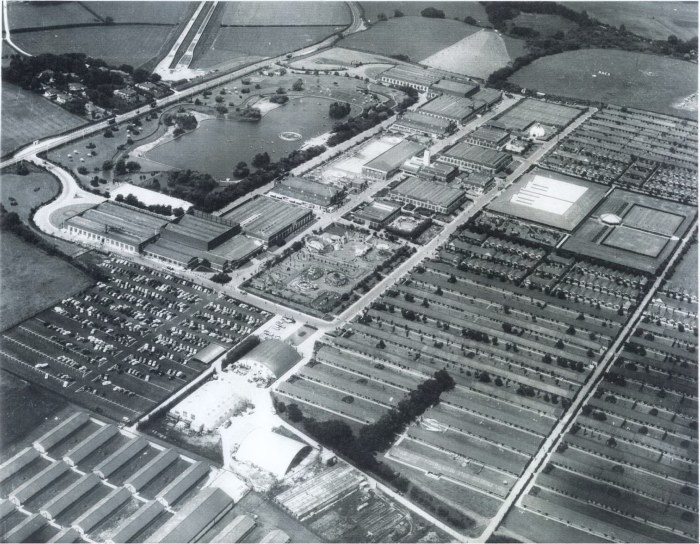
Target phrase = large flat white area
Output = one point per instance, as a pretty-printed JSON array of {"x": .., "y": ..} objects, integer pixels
[
  {"x": 549, "y": 195},
  {"x": 149, "y": 197},
  {"x": 352, "y": 164}
]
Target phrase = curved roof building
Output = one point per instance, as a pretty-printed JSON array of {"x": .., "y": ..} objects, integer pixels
[
  {"x": 272, "y": 452},
  {"x": 276, "y": 355}
]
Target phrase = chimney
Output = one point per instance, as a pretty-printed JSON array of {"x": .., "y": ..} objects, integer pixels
[{"x": 426, "y": 158}]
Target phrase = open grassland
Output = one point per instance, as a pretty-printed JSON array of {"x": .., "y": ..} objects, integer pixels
[
  {"x": 638, "y": 80},
  {"x": 31, "y": 280},
  {"x": 478, "y": 54},
  {"x": 656, "y": 20},
  {"x": 417, "y": 37},
  {"x": 544, "y": 23},
  {"x": 685, "y": 278},
  {"x": 301, "y": 13},
  {"x": 451, "y": 9},
  {"x": 134, "y": 45},
  {"x": 338, "y": 57},
  {"x": 27, "y": 116},
  {"x": 142, "y": 12},
  {"x": 42, "y": 14},
  {"x": 27, "y": 191}
]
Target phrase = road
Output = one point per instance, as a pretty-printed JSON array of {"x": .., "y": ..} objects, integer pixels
[
  {"x": 6, "y": 32},
  {"x": 522, "y": 486},
  {"x": 163, "y": 67}
]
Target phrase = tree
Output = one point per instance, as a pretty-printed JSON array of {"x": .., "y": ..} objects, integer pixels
[
  {"x": 433, "y": 13},
  {"x": 109, "y": 21},
  {"x": 221, "y": 278},
  {"x": 381, "y": 16},
  {"x": 133, "y": 166},
  {"x": 484, "y": 377},
  {"x": 294, "y": 413},
  {"x": 107, "y": 165},
  {"x": 398, "y": 13},
  {"x": 381, "y": 344},
  {"x": 470, "y": 20},
  {"x": 82, "y": 170},
  {"x": 261, "y": 160},
  {"x": 298, "y": 85},
  {"x": 141, "y": 75},
  {"x": 280, "y": 90},
  {"x": 22, "y": 169},
  {"x": 338, "y": 110},
  {"x": 120, "y": 167}
]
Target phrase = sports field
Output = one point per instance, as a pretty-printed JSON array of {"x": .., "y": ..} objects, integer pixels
[
  {"x": 31, "y": 280},
  {"x": 134, "y": 45},
  {"x": 648, "y": 82},
  {"x": 300, "y": 13},
  {"x": 427, "y": 36},
  {"x": 636, "y": 241},
  {"x": 643, "y": 218},
  {"x": 655, "y": 20},
  {"x": 529, "y": 111},
  {"x": 478, "y": 54},
  {"x": 28, "y": 116}
]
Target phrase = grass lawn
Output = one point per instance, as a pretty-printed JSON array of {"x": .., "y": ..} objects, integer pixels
[
  {"x": 686, "y": 274},
  {"x": 163, "y": 12},
  {"x": 478, "y": 54},
  {"x": 638, "y": 80},
  {"x": 299, "y": 13},
  {"x": 41, "y": 14},
  {"x": 31, "y": 280},
  {"x": 451, "y": 9},
  {"x": 427, "y": 36},
  {"x": 28, "y": 116},
  {"x": 29, "y": 191},
  {"x": 134, "y": 45},
  {"x": 656, "y": 20}
]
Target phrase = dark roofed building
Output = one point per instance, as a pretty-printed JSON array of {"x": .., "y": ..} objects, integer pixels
[
  {"x": 137, "y": 522},
  {"x": 438, "y": 197},
  {"x": 306, "y": 191},
  {"x": 172, "y": 252},
  {"x": 378, "y": 213},
  {"x": 491, "y": 137},
  {"x": 235, "y": 252},
  {"x": 200, "y": 231},
  {"x": 210, "y": 353},
  {"x": 183, "y": 483},
  {"x": 236, "y": 530},
  {"x": 415, "y": 122},
  {"x": 455, "y": 88},
  {"x": 150, "y": 470},
  {"x": 443, "y": 173},
  {"x": 410, "y": 76},
  {"x": 453, "y": 108},
  {"x": 388, "y": 163},
  {"x": 474, "y": 157},
  {"x": 270, "y": 220}
]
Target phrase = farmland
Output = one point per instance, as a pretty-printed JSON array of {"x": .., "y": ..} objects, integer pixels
[
  {"x": 95, "y": 348},
  {"x": 543, "y": 23},
  {"x": 627, "y": 467},
  {"x": 451, "y": 9},
  {"x": 624, "y": 78},
  {"x": 28, "y": 116},
  {"x": 31, "y": 280},
  {"x": 655, "y": 20},
  {"x": 134, "y": 45},
  {"x": 274, "y": 14},
  {"x": 428, "y": 37},
  {"x": 321, "y": 277},
  {"x": 41, "y": 14},
  {"x": 659, "y": 160},
  {"x": 518, "y": 352},
  {"x": 165, "y": 12},
  {"x": 477, "y": 55}
]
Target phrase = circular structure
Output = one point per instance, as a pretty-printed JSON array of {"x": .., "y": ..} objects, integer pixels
[
  {"x": 312, "y": 273},
  {"x": 336, "y": 279},
  {"x": 611, "y": 219},
  {"x": 290, "y": 136},
  {"x": 537, "y": 131}
]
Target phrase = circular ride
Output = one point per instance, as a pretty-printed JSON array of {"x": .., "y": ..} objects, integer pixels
[
  {"x": 336, "y": 279},
  {"x": 312, "y": 273},
  {"x": 289, "y": 136}
]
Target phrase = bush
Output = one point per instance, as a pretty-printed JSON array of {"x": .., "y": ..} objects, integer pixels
[
  {"x": 221, "y": 278},
  {"x": 433, "y": 13}
]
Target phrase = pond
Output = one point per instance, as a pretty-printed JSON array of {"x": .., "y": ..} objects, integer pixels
[{"x": 217, "y": 145}]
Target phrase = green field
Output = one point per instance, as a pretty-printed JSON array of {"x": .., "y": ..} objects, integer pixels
[
  {"x": 300, "y": 13},
  {"x": 134, "y": 45},
  {"x": 42, "y": 14},
  {"x": 451, "y": 9},
  {"x": 543, "y": 23},
  {"x": 638, "y": 80},
  {"x": 636, "y": 241},
  {"x": 427, "y": 36},
  {"x": 27, "y": 116},
  {"x": 685, "y": 277},
  {"x": 143, "y": 12},
  {"x": 656, "y": 20},
  {"x": 28, "y": 191},
  {"x": 31, "y": 280}
]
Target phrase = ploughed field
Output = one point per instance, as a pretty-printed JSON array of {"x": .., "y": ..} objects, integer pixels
[
  {"x": 120, "y": 348},
  {"x": 518, "y": 330},
  {"x": 624, "y": 78}
]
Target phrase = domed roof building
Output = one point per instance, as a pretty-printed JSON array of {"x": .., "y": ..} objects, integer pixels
[
  {"x": 537, "y": 131},
  {"x": 611, "y": 219}
]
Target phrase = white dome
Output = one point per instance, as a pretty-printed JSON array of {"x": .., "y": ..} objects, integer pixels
[
  {"x": 271, "y": 452},
  {"x": 611, "y": 219},
  {"x": 537, "y": 131}
]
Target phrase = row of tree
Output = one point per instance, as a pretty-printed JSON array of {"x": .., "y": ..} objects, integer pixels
[{"x": 161, "y": 209}]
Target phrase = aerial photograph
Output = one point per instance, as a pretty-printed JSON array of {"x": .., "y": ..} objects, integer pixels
[{"x": 367, "y": 271}]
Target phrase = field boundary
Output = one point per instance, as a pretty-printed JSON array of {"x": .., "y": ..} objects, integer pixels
[{"x": 27, "y": 30}]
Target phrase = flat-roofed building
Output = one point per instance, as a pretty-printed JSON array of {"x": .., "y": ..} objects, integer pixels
[
  {"x": 55, "y": 435},
  {"x": 444, "y": 173},
  {"x": 137, "y": 522},
  {"x": 493, "y": 138},
  {"x": 69, "y": 496},
  {"x": 235, "y": 252},
  {"x": 90, "y": 444},
  {"x": 200, "y": 230},
  {"x": 276, "y": 536},
  {"x": 17, "y": 462},
  {"x": 388, "y": 163},
  {"x": 477, "y": 183},
  {"x": 437, "y": 197},
  {"x": 270, "y": 220},
  {"x": 173, "y": 253},
  {"x": 116, "y": 226},
  {"x": 67, "y": 534},
  {"x": 451, "y": 87},
  {"x": 38, "y": 482},
  {"x": 24, "y": 529},
  {"x": 378, "y": 213},
  {"x": 488, "y": 96},
  {"x": 180, "y": 485},
  {"x": 415, "y": 122},
  {"x": 473, "y": 157},
  {"x": 307, "y": 192},
  {"x": 452, "y": 108},
  {"x": 121, "y": 457},
  {"x": 410, "y": 76},
  {"x": 95, "y": 515},
  {"x": 236, "y": 530},
  {"x": 195, "y": 518},
  {"x": 150, "y": 470}
]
